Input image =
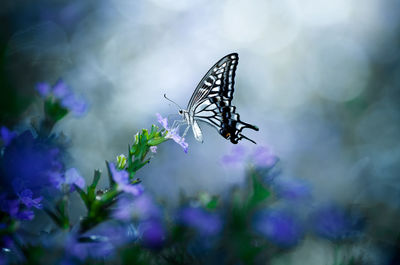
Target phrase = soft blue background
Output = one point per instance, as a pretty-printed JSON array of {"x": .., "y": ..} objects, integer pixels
[{"x": 320, "y": 78}]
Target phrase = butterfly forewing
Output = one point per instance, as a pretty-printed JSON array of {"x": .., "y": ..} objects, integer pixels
[{"x": 211, "y": 101}]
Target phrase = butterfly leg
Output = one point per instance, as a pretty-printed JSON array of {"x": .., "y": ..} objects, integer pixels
[
  {"x": 186, "y": 130},
  {"x": 177, "y": 124}
]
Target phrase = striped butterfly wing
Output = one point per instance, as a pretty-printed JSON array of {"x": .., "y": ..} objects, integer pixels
[{"x": 211, "y": 100}]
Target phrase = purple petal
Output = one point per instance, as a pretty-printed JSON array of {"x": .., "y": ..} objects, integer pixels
[
  {"x": 25, "y": 215},
  {"x": 279, "y": 227},
  {"x": 173, "y": 134},
  {"x": 56, "y": 179},
  {"x": 26, "y": 197},
  {"x": 153, "y": 149},
  {"x": 72, "y": 176},
  {"x": 152, "y": 233},
  {"x": 206, "y": 223},
  {"x": 334, "y": 223},
  {"x": 135, "y": 189},
  {"x": 121, "y": 177},
  {"x": 162, "y": 121},
  {"x": 236, "y": 157},
  {"x": 75, "y": 105},
  {"x": 292, "y": 189},
  {"x": 264, "y": 157},
  {"x": 60, "y": 89},
  {"x": 43, "y": 89}
]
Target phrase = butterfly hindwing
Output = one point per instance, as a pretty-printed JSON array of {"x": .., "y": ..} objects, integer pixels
[{"x": 211, "y": 101}]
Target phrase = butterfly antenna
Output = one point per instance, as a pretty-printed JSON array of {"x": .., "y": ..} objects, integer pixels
[{"x": 165, "y": 96}]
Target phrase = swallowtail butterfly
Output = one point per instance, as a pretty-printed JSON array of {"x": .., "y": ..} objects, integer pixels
[{"x": 211, "y": 103}]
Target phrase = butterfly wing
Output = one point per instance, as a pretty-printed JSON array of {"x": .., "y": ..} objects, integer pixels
[
  {"x": 198, "y": 135},
  {"x": 211, "y": 100}
]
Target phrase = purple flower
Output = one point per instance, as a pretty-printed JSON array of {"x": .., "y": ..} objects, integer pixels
[
  {"x": 140, "y": 208},
  {"x": 292, "y": 189},
  {"x": 204, "y": 222},
  {"x": 6, "y": 135},
  {"x": 264, "y": 157},
  {"x": 153, "y": 149},
  {"x": 334, "y": 223},
  {"x": 74, "y": 104},
  {"x": 44, "y": 89},
  {"x": 25, "y": 214},
  {"x": 279, "y": 227},
  {"x": 172, "y": 133},
  {"x": 97, "y": 248},
  {"x": 26, "y": 197},
  {"x": 63, "y": 93},
  {"x": 236, "y": 157},
  {"x": 60, "y": 89},
  {"x": 152, "y": 233},
  {"x": 101, "y": 241},
  {"x": 121, "y": 177},
  {"x": 14, "y": 209},
  {"x": 162, "y": 121}
]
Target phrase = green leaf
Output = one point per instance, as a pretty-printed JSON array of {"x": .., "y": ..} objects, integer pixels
[
  {"x": 213, "y": 203},
  {"x": 259, "y": 193},
  {"x": 96, "y": 178},
  {"x": 110, "y": 177},
  {"x": 84, "y": 197},
  {"x": 54, "y": 110},
  {"x": 156, "y": 141},
  {"x": 91, "y": 190},
  {"x": 137, "y": 164}
]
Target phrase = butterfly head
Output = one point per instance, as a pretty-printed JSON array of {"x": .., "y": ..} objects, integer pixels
[{"x": 181, "y": 112}]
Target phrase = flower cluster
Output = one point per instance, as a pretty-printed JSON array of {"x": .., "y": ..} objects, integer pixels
[
  {"x": 61, "y": 92},
  {"x": 123, "y": 223},
  {"x": 172, "y": 133}
]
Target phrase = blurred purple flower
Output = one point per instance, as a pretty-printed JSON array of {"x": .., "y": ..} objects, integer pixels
[
  {"x": 121, "y": 177},
  {"x": 72, "y": 177},
  {"x": 29, "y": 163},
  {"x": 172, "y": 133},
  {"x": 140, "y": 208},
  {"x": 279, "y": 227},
  {"x": 236, "y": 157},
  {"x": 97, "y": 248},
  {"x": 153, "y": 149},
  {"x": 60, "y": 89},
  {"x": 14, "y": 209},
  {"x": 204, "y": 222},
  {"x": 162, "y": 121},
  {"x": 264, "y": 157},
  {"x": 152, "y": 233},
  {"x": 26, "y": 197},
  {"x": 292, "y": 189},
  {"x": 25, "y": 214},
  {"x": 63, "y": 93},
  {"x": 74, "y": 104},
  {"x": 6, "y": 135},
  {"x": 100, "y": 242},
  {"x": 334, "y": 223},
  {"x": 43, "y": 89}
]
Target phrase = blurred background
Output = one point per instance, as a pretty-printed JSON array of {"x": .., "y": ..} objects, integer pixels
[{"x": 319, "y": 78}]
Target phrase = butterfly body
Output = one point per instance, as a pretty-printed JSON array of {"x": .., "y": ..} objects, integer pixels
[{"x": 211, "y": 103}]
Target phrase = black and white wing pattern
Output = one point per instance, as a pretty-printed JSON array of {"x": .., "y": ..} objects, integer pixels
[{"x": 211, "y": 101}]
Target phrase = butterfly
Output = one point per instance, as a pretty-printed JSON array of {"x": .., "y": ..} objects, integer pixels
[{"x": 211, "y": 103}]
